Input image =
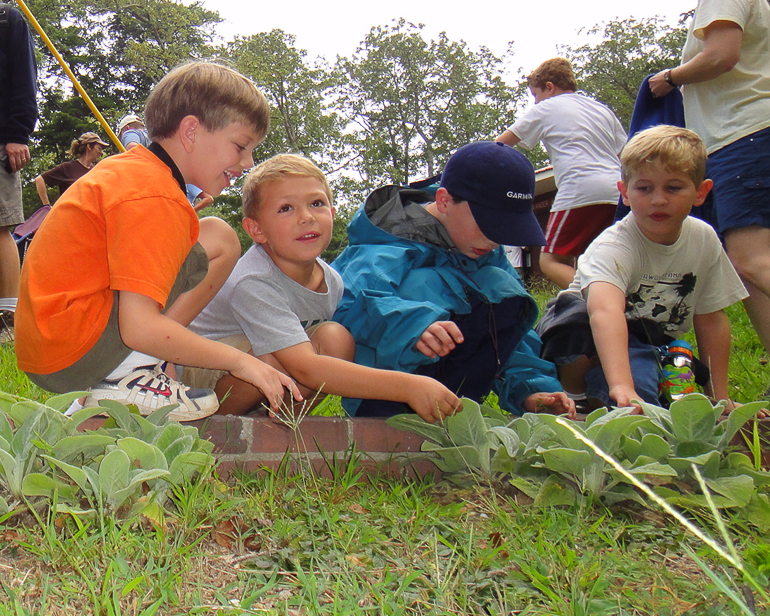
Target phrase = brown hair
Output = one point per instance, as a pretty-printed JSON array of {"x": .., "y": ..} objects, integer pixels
[
  {"x": 215, "y": 94},
  {"x": 677, "y": 149},
  {"x": 556, "y": 70},
  {"x": 278, "y": 168}
]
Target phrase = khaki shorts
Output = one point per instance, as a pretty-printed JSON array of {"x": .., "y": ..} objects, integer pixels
[
  {"x": 206, "y": 378},
  {"x": 109, "y": 351},
  {"x": 11, "y": 210}
]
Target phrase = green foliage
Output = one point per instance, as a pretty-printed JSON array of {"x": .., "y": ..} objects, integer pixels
[
  {"x": 628, "y": 51},
  {"x": 415, "y": 101},
  {"x": 542, "y": 458},
  {"x": 125, "y": 467}
]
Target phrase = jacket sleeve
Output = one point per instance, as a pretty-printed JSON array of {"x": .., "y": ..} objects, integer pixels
[
  {"x": 525, "y": 374},
  {"x": 22, "y": 85},
  {"x": 387, "y": 304}
]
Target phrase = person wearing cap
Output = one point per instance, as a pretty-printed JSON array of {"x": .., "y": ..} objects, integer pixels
[
  {"x": 86, "y": 150},
  {"x": 429, "y": 290},
  {"x": 132, "y": 132}
]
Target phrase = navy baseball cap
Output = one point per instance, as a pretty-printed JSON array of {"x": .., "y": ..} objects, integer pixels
[{"x": 498, "y": 183}]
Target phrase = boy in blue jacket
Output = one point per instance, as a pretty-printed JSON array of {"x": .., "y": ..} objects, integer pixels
[{"x": 429, "y": 290}]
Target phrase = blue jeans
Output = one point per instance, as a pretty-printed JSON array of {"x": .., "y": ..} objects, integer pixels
[{"x": 645, "y": 370}]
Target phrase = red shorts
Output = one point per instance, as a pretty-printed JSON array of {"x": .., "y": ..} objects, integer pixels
[{"x": 569, "y": 232}]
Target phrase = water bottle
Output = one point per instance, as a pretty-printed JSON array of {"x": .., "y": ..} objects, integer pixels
[{"x": 678, "y": 378}]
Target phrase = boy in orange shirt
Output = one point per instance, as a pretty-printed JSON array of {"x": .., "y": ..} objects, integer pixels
[{"x": 120, "y": 268}]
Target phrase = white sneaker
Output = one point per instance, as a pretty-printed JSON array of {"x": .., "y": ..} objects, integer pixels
[{"x": 149, "y": 388}]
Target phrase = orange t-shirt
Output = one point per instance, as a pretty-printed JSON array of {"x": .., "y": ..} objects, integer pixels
[{"x": 125, "y": 226}]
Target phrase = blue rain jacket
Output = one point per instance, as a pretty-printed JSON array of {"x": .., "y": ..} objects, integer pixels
[{"x": 396, "y": 287}]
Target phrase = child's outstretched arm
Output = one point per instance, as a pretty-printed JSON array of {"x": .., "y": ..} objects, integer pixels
[
  {"x": 712, "y": 332},
  {"x": 145, "y": 329},
  {"x": 606, "y": 309},
  {"x": 429, "y": 398}
]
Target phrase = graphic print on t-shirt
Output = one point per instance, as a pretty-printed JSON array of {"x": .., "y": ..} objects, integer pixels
[{"x": 664, "y": 301}]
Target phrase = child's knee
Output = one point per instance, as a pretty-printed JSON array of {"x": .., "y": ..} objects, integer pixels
[
  {"x": 219, "y": 239},
  {"x": 333, "y": 340}
]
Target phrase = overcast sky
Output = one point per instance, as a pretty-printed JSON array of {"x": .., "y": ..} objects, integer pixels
[{"x": 536, "y": 27}]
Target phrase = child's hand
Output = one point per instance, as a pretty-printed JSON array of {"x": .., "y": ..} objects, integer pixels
[
  {"x": 268, "y": 380},
  {"x": 556, "y": 403},
  {"x": 439, "y": 339},
  {"x": 623, "y": 396},
  {"x": 431, "y": 400}
]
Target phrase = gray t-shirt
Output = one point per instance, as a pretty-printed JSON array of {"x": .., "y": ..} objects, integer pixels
[
  {"x": 668, "y": 284},
  {"x": 273, "y": 310}
]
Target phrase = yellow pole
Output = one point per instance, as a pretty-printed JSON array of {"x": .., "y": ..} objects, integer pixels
[{"x": 72, "y": 77}]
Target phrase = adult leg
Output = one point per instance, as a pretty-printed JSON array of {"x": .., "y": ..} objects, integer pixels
[
  {"x": 749, "y": 252},
  {"x": 9, "y": 265},
  {"x": 223, "y": 249},
  {"x": 559, "y": 269}
]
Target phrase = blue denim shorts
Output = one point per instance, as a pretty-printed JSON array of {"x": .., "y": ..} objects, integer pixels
[{"x": 741, "y": 174}]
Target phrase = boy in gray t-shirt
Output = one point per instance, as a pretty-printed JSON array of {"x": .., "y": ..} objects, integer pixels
[{"x": 278, "y": 302}]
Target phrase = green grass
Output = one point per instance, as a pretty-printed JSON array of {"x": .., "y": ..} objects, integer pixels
[{"x": 288, "y": 542}]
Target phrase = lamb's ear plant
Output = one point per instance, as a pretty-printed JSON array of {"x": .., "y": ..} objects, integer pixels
[
  {"x": 125, "y": 467},
  {"x": 541, "y": 455}
]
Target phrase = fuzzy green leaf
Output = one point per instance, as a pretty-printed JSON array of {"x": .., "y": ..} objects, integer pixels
[
  {"x": 655, "y": 446},
  {"x": 738, "y": 489},
  {"x": 507, "y": 438},
  {"x": 113, "y": 473},
  {"x": 188, "y": 464},
  {"x": 468, "y": 427},
  {"x": 736, "y": 419},
  {"x": 693, "y": 418},
  {"x": 61, "y": 402},
  {"x": 78, "y": 417},
  {"x": 6, "y": 432},
  {"x": 86, "y": 445},
  {"x": 607, "y": 435},
  {"x": 139, "y": 477},
  {"x": 148, "y": 455},
  {"x": 76, "y": 473},
  {"x": 758, "y": 512},
  {"x": 38, "y": 484},
  {"x": 595, "y": 414},
  {"x": 455, "y": 459},
  {"x": 708, "y": 463},
  {"x": 181, "y": 445},
  {"x": 569, "y": 461},
  {"x": 554, "y": 493}
]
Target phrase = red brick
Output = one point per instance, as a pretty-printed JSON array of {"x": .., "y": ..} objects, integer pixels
[
  {"x": 225, "y": 431},
  {"x": 327, "y": 433},
  {"x": 370, "y": 434}
]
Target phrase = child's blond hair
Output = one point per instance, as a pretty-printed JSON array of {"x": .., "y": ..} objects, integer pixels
[
  {"x": 677, "y": 149},
  {"x": 556, "y": 70},
  {"x": 278, "y": 168},
  {"x": 215, "y": 94}
]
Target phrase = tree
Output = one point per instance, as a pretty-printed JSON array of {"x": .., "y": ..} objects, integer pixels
[
  {"x": 412, "y": 102},
  {"x": 117, "y": 49},
  {"x": 612, "y": 70},
  {"x": 303, "y": 117}
]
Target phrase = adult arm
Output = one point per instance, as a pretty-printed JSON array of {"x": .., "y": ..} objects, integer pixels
[
  {"x": 42, "y": 190},
  {"x": 429, "y": 398},
  {"x": 145, "y": 329},
  {"x": 18, "y": 155},
  {"x": 721, "y": 52},
  {"x": 606, "y": 311},
  {"x": 509, "y": 138},
  {"x": 712, "y": 332}
]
